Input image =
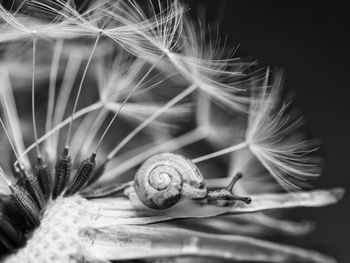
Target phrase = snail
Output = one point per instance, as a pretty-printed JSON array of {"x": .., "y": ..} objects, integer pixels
[{"x": 165, "y": 178}]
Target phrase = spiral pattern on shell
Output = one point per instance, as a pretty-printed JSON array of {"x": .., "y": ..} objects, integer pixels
[{"x": 160, "y": 179}]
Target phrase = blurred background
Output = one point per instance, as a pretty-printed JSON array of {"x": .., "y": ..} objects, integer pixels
[{"x": 310, "y": 43}]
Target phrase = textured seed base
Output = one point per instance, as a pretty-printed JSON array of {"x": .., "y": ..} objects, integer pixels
[{"x": 57, "y": 238}]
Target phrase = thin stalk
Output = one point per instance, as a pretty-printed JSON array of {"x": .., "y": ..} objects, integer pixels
[
  {"x": 124, "y": 102},
  {"x": 69, "y": 76},
  {"x": 169, "y": 146},
  {"x": 78, "y": 114},
  {"x": 52, "y": 89},
  {"x": 164, "y": 108},
  {"x": 11, "y": 115},
  {"x": 80, "y": 87},
  {"x": 33, "y": 98},
  {"x": 10, "y": 141},
  {"x": 83, "y": 145},
  {"x": 221, "y": 152},
  {"x": 4, "y": 177}
]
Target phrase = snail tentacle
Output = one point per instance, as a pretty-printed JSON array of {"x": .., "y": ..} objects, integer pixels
[{"x": 227, "y": 193}]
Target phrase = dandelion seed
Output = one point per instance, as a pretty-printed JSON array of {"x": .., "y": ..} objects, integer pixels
[{"x": 285, "y": 157}]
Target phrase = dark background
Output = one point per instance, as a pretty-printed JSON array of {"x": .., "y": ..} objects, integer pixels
[{"x": 310, "y": 42}]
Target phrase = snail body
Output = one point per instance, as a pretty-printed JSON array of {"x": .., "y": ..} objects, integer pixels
[{"x": 165, "y": 178}]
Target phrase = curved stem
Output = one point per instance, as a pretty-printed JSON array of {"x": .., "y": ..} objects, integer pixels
[
  {"x": 221, "y": 152},
  {"x": 4, "y": 177},
  {"x": 10, "y": 141},
  {"x": 11, "y": 116},
  {"x": 123, "y": 103},
  {"x": 169, "y": 146},
  {"x": 80, "y": 87},
  {"x": 69, "y": 76},
  {"x": 52, "y": 89},
  {"x": 33, "y": 97},
  {"x": 168, "y": 105}
]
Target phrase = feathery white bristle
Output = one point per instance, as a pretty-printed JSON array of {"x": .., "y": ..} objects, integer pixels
[{"x": 269, "y": 136}]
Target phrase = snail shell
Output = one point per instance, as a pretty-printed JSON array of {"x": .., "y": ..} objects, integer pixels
[{"x": 163, "y": 179}]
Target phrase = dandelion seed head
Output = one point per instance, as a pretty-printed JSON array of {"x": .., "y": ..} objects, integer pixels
[{"x": 116, "y": 83}]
